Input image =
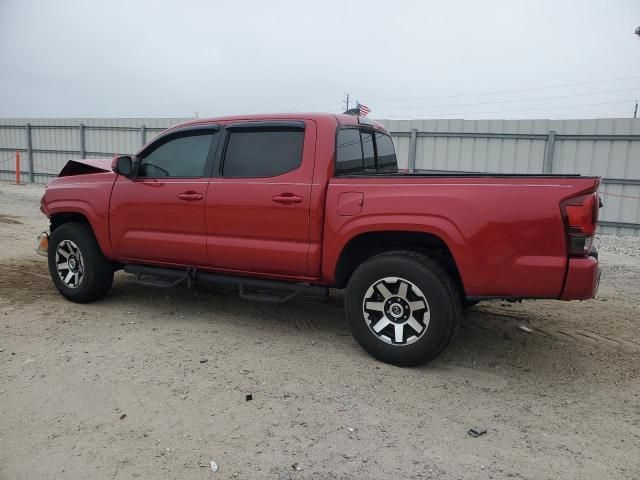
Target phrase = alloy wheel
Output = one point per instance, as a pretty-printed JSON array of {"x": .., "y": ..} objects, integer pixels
[
  {"x": 69, "y": 264},
  {"x": 396, "y": 311}
]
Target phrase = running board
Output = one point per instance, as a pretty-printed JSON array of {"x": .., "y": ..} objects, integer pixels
[
  {"x": 176, "y": 277},
  {"x": 263, "y": 290}
]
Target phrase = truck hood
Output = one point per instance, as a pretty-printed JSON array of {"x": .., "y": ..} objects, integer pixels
[{"x": 86, "y": 166}]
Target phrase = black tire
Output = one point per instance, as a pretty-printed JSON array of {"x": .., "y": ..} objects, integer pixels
[
  {"x": 467, "y": 304},
  {"x": 97, "y": 271},
  {"x": 436, "y": 287}
]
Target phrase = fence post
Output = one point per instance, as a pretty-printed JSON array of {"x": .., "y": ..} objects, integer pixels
[
  {"x": 83, "y": 149},
  {"x": 413, "y": 141},
  {"x": 17, "y": 167},
  {"x": 549, "y": 149},
  {"x": 29, "y": 152},
  {"x": 143, "y": 135}
]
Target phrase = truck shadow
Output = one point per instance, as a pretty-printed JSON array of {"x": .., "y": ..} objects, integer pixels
[{"x": 491, "y": 335}]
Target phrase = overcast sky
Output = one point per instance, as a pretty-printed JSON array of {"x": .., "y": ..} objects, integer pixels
[{"x": 404, "y": 59}]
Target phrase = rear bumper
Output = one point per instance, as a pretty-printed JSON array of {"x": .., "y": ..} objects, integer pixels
[{"x": 583, "y": 278}]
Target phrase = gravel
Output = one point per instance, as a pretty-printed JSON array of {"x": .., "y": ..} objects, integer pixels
[
  {"x": 559, "y": 399},
  {"x": 618, "y": 245}
]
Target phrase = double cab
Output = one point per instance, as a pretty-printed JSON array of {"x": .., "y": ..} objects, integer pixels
[{"x": 294, "y": 204}]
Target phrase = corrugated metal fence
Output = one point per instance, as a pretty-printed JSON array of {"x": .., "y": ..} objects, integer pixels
[
  {"x": 609, "y": 148},
  {"x": 47, "y": 143}
]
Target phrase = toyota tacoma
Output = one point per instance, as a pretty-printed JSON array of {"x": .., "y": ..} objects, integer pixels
[{"x": 295, "y": 204}]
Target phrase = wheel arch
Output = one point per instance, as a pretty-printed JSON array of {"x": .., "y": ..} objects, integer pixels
[
  {"x": 58, "y": 219},
  {"x": 79, "y": 212},
  {"x": 363, "y": 246}
]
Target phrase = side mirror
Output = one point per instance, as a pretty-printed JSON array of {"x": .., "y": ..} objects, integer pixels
[{"x": 124, "y": 165}]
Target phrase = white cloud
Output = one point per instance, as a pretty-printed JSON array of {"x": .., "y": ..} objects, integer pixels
[{"x": 168, "y": 58}]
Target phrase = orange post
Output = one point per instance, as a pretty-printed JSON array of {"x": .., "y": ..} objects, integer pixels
[{"x": 17, "y": 167}]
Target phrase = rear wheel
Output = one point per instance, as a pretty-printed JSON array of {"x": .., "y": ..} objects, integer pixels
[
  {"x": 77, "y": 266},
  {"x": 402, "y": 307}
]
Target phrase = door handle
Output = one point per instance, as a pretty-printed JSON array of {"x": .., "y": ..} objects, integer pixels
[
  {"x": 190, "y": 196},
  {"x": 287, "y": 198}
]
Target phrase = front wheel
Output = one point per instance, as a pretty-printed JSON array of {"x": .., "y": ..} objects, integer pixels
[
  {"x": 77, "y": 266},
  {"x": 402, "y": 307}
]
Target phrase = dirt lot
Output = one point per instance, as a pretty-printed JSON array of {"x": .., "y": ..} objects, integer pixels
[{"x": 152, "y": 384}]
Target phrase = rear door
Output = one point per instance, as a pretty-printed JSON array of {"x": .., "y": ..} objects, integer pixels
[
  {"x": 257, "y": 208},
  {"x": 159, "y": 215}
]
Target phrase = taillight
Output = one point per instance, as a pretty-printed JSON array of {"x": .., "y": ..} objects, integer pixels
[{"x": 580, "y": 216}]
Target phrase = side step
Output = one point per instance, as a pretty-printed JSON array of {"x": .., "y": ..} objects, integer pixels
[
  {"x": 256, "y": 289},
  {"x": 175, "y": 278}
]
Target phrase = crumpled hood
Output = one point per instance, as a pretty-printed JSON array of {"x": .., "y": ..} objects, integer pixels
[{"x": 86, "y": 166}]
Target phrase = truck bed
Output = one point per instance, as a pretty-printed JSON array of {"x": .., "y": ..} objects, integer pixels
[{"x": 505, "y": 232}]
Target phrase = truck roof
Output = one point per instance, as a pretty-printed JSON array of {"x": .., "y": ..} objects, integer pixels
[{"x": 339, "y": 118}]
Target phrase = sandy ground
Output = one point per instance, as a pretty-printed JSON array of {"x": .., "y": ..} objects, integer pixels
[{"x": 152, "y": 384}]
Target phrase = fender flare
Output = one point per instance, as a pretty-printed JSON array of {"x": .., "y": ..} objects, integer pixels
[
  {"x": 439, "y": 227},
  {"x": 98, "y": 223}
]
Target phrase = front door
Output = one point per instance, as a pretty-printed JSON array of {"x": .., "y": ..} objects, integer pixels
[
  {"x": 158, "y": 216},
  {"x": 257, "y": 209}
]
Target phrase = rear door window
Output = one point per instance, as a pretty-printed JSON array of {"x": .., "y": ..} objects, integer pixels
[{"x": 259, "y": 153}]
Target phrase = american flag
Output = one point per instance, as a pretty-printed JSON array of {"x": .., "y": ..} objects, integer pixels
[{"x": 364, "y": 110}]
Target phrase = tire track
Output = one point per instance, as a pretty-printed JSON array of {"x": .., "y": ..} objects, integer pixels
[{"x": 505, "y": 325}]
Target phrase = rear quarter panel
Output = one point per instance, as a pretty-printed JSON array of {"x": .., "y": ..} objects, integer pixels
[{"x": 506, "y": 234}]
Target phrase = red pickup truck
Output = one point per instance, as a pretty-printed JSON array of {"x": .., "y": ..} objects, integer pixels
[{"x": 285, "y": 205}]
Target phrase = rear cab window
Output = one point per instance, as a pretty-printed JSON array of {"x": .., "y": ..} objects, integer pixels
[{"x": 364, "y": 151}]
